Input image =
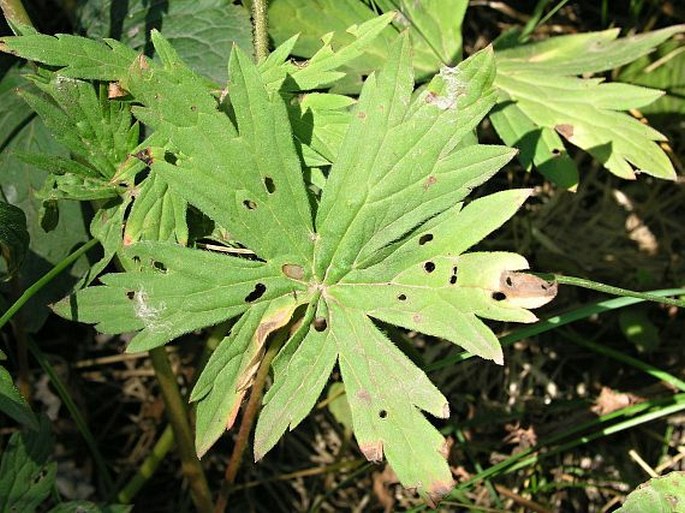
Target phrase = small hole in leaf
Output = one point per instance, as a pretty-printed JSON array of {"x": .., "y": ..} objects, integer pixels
[
  {"x": 320, "y": 324},
  {"x": 159, "y": 266},
  {"x": 453, "y": 278},
  {"x": 193, "y": 108},
  {"x": 544, "y": 286},
  {"x": 170, "y": 157},
  {"x": 258, "y": 292},
  {"x": 39, "y": 476},
  {"x": 509, "y": 281},
  {"x": 136, "y": 259},
  {"x": 249, "y": 204},
  {"x": 402, "y": 297},
  {"x": 429, "y": 267},
  {"x": 499, "y": 296},
  {"x": 269, "y": 184},
  {"x": 130, "y": 294},
  {"x": 425, "y": 238},
  {"x": 383, "y": 414},
  {"x": 556, "y": 152}
]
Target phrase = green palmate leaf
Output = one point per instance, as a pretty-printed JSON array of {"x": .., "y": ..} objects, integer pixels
[
  {"x": 388, "y": 244},
  {"x": 658, "y": 495},
  {"x": 14, "y": 239},
  {"x": 79, "y": 57},
  {"x": 202, "y": 31},
  {"x": 26, "y": 476},
  {"x": 177, "y": 291},
  {"x": 540, "y": 99}
]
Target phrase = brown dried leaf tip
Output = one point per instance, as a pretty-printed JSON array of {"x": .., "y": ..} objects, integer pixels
[
  {"x": 565, "y": 129},
  {"x": 526, "y": 290},
  {"x": 115, "y": 91}
]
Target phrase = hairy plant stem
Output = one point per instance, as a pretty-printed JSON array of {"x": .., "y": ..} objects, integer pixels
[
  {"x": 616, "y": 291},
  {"x": 178, "y": 417},
  {"x": 260, "y": 36},
  {"x": 15, "y": 13},
  {"x": 248, "y": 419}
]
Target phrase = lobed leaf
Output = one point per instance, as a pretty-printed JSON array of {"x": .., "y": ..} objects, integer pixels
[
  {"x": 586, "y": 113},
  {"x": 78, "y": 56},
  {"x": 540, "y": 96},
  {"x": 390, "y": 178},
  {"x": 178, "y": 290}
]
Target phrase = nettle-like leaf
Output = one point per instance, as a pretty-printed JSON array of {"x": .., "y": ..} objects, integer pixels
[
  {"x": 542, "y": 100},
  {"x": 386, "y": 243}
]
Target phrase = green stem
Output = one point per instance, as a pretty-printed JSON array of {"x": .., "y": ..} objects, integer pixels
[
  {"x": 248, "y": 419},
  {"x": 47, "y": 278},
  {"x": 15, "y": 13},
  {"x": 75, "y": 413},
  {"x": 178, "y": 417},
  {"x": 260, "y": 27},
  {"x": 616, "y": 291}
]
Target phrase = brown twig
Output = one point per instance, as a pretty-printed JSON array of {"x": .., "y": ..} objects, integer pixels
[{"x": 248, "y": 419}]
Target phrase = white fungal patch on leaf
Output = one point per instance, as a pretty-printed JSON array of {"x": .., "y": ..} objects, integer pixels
[
  {"x": 454, "y": 87},
  {"x": 150, "y": 315}
]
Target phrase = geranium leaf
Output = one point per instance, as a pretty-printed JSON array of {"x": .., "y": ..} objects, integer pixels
[
  {"x": 541, "y": 94},
  {"x": 177, "y": 291},
  {"x": 387, "y": 241}
]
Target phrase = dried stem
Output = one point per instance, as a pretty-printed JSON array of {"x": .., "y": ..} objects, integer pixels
[{"x": 248, "y": 419}]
